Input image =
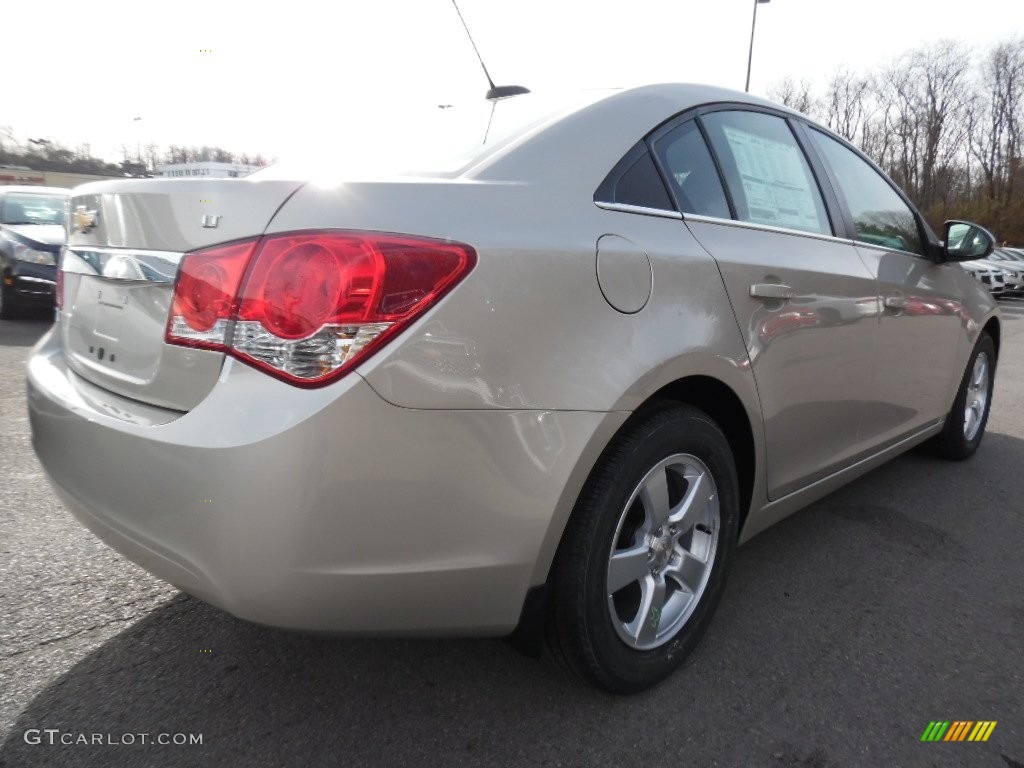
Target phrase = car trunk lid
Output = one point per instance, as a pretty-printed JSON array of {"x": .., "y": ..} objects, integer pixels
[{"x": 125, "y": 242}]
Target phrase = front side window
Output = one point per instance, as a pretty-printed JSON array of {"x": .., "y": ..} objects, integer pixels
[
  {"x": 879, "y": 213},
  {"x": 692, "y": 171},
  {"x": 766, "y": 171}
]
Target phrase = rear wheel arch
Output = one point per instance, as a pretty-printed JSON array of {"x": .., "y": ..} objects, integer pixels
[
  {"x": 725, "y": 408},
  {"x": 721, "y": 403},
  {"x": 623, "y": 643},
  {"x": 708, "y": 394}
]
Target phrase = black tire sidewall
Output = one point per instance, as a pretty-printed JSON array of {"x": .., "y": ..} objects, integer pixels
[
  {"x": 955, "y": 444},
  {"x": 9, "y": 310}
]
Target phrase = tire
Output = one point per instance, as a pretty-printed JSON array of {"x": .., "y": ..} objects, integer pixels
[
  {"x": 961, "y": 436},
  {"x": 8, "y": 309},
  {"x": 616, "y": 642}
]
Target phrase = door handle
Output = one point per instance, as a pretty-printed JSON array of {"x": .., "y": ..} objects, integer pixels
[
  {"x": 771, "y": 291},
  {"x": 896, "y": 302}
]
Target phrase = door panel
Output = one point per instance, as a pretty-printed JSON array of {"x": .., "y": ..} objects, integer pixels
[
  {"x": 921, "y": 324},
  {"x": 805, "y": 302},
  {"x": 922, "y": 313},
  {"x": 812, "y": 354}
]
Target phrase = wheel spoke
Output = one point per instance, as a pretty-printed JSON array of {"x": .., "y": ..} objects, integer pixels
[
  {"x": 644, "y": 628},
  {"x": 654, "y": 497},
  {"x": 627, "y": 566},
  {"x": 698, "y": 494},
  {"x": 980, "y": 371},
  {"x": 977, "y": 394},
  {"x": 688, "y": 572}
]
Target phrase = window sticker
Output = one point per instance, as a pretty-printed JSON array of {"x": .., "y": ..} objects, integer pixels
[{"x": 774, "y": 181}]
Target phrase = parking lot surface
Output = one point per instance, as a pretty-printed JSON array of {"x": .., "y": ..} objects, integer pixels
[{"x": 844, "y": 631}]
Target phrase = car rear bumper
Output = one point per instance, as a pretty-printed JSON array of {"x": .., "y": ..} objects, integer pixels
[{"x": 326, "y": 509}]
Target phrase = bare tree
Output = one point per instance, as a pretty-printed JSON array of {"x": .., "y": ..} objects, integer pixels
[
  {"x": 151, "y": 157},
  {"x": 945, "y": 123},
  {"x": 848, "y": 104},
  {"x": 7, "y": 140},
  {"x": 925, "y": 94},
  {"x": 996, "y": 119},
  {"x": 795, "y": 95}
]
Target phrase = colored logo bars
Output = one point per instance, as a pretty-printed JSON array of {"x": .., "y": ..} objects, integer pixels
[{"x": 958, "y": 730}]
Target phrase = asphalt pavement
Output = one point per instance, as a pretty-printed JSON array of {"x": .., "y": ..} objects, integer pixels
[{"x": 844, "y": 631}]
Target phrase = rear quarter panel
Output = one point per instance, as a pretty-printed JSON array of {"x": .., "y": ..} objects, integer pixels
[{"x": 529, "y": 327}]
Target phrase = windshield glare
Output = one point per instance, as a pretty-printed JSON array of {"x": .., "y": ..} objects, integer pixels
[{"x": 29, "y": 208}]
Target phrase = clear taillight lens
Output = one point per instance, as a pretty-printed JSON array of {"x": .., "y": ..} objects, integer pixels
[
  {"x": 307, "y": 307},
  {"x": 59, "y": 288}
]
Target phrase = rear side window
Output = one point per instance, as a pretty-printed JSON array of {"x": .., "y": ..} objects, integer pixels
[
  {"x": 879, "y": 213},
  {"x": 768, "y": 176},
  {"x": 692, "y": 172},
  {"x": 641, "y": 185}
]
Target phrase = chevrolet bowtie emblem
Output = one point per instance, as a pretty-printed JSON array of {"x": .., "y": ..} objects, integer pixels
[
  {"x": 84, "y": 220},
  {"x": 210, "y": 220}
]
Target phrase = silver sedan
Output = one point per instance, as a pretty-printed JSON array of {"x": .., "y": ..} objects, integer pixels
[{"x": 546, "y": 385}]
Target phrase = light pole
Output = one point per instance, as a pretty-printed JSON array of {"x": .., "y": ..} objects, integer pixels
[
  {"x": 750, "y": 55},
  {"x": 136, "y": 122}
]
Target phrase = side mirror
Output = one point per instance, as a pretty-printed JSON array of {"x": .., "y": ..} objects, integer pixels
[{"x": 965, "y": 241}]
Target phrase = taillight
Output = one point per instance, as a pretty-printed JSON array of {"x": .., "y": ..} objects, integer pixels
[
  {"x": 204, "y": 294},
  {"x": 307, "y": 307}
]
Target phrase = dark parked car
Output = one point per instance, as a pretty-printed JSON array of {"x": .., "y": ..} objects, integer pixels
[{"x": 31, "y": 236}]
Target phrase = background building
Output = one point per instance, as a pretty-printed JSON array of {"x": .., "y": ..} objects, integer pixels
[
  {"x": 207, "y": 169},
  {"x": 23, "y": 175}
]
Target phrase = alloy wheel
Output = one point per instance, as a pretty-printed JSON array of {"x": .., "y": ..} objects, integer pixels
[
  {"x": 977, "y": 396},
  {"x": 663, "y": 551}
]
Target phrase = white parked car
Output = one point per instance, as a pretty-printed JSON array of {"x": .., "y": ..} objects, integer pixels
[
  {"x": 991, "y": 275},
  {"x": 1012, "y": 264}
]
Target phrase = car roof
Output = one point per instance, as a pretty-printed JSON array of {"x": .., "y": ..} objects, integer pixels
[{"x": 589, "y": 139}]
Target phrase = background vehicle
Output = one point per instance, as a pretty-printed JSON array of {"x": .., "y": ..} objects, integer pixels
[
  {"x": 31, "y": 236},
  {"x": 1008, "y": 256},
  {"x": 991, "y": 275},
  {"x": 1012, "y": 264},
  {"x": 552, "y": 383}
]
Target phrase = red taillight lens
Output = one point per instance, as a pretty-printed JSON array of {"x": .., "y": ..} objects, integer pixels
[
  {"x": 300, "y": 283},
  {"x": 204, "y": 294},
  {"x": 311, "y": 305}
]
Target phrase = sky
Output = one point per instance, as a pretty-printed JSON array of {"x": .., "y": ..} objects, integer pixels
[{"x": 262, "y": 77}]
